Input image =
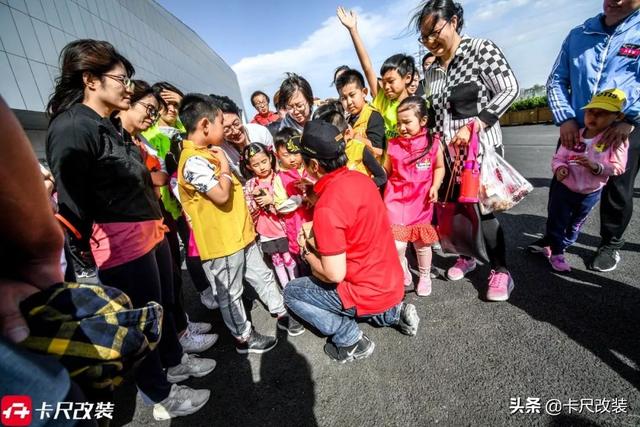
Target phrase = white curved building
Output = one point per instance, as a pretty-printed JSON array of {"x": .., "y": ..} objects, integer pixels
[{"x": 160, "y": 46}]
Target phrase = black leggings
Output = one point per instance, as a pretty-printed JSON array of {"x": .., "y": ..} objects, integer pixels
[
  {"x": 150, "y": 278},
  {"x": 194, "y": 264}
]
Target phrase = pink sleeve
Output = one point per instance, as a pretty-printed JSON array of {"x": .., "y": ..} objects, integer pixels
[
  {"x": 617, "y": 160},
  {"x": 560, "y": 158}
]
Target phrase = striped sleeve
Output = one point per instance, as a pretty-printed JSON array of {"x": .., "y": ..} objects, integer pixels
[{"x": 498, "y": 76}]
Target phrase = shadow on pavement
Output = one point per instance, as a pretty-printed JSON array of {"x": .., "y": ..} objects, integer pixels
[{"x": 594, "y": 310}]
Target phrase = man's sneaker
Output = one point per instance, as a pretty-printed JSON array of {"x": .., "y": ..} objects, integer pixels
[
  {"x": 461, "y": 268},
  {"x": 256, "y": 343},
  {"x": 558, "y": 263},
  {"x": 197, "y": 343},
  {"x": 181, "y": 401},
  {"x": 208, "y": 299},
  {"x": 540, "y": 246},
  {"x": 198, "y": 328},
  {"x": 500, "y": 286},
  {"x": 291, "y": 325},
  {"x": 409, "y": 320},
  {"x": 87, "y": 276},
  {"x": 424, "y": 287},
  {"x": 190, "y": 366},
  {"x": 359, "y": 350},
  {"x": 606, "y": 259}
]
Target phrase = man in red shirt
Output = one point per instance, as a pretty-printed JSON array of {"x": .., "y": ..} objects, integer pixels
[
  {"x": 260, "y": 102},
  {"x": 362, "y": 276}
]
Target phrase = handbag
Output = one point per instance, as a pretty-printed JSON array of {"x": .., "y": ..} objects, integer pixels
[{"x": 459, "y": 224}]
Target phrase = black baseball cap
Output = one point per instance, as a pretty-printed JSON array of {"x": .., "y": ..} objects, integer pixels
[{"x": 321, "y": 140}]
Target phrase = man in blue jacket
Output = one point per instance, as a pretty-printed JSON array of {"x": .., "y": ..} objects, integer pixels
[{"x": 602, "y": 53}]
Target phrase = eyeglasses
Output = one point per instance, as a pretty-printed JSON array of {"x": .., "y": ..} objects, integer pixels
[
  {"x": 123, "y": 80},
  {"x": 259, "y": 103},
  {"x": 152, "y": 111},
  {"x": 299, "y": 107},
  {"x": 433, "y": 36},
  {"x": 237, "y": 125}
]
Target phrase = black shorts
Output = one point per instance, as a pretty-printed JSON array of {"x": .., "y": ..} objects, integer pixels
[{"x": 271, "y": 247}]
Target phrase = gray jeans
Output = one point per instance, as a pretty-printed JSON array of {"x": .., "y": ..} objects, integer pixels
[{"x": 226, "y": 275}]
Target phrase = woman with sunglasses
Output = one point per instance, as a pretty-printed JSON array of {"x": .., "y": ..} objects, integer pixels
[
  {"x": 105, "y": 191},
  {"x": 469, "y": 86}
]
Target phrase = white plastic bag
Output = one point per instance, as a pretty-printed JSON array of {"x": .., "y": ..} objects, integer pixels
[{"x": 501, "y": 185}]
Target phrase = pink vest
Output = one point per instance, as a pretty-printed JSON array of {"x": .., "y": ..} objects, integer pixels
[
  {"x": 294, "y": 220},
  {"x": 410, "y": 180}
]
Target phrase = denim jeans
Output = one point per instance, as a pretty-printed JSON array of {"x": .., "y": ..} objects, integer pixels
[
  {"x": 318, "y": 303},
  {"x": 567, "y": 213}
]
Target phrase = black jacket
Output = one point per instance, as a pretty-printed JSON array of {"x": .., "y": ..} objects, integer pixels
[{"x": 100, "y": 175}]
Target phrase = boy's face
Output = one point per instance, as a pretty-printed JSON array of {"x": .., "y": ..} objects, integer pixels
[
  {"x": 597, "y": 119},
  {"x": 394, "y": 84},
  {"x": 353, "y": 98},
  {"x": 212, "y": 130},
  {"x": 289, "y": 160}
]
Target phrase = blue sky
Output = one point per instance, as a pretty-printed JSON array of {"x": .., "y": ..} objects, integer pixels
[{"x": 261, "y": 40}]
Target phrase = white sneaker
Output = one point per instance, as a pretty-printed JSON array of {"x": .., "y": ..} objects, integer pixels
[
  {"x": 208, "y": 299},
  {"x": 197, "y": 343},
  {"x": 190, "y": 366},
  {"x": 181, "y": 401},
  {"x": 198, "y": 328}
]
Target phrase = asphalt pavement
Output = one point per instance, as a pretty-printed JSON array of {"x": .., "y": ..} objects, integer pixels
[{"x": 564, "y": 350}]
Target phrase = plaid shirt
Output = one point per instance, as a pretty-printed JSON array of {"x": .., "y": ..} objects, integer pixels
[
  {"x": 93, "y": 330},
  {"x": 478, "y": 83}
]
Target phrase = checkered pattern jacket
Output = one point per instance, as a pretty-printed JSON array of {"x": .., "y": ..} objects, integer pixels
[{"x": 478, "y": 83}]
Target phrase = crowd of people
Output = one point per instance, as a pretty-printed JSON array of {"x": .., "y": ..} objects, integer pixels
[{"x": 320, "y": 209}]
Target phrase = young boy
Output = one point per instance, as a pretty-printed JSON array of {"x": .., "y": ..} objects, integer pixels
[
  {"x": 214, "y": 202},
  {"x": 367, "y": 123},
  {"x": 582, "y": 172},
  {"x": 289, "y": 186}
]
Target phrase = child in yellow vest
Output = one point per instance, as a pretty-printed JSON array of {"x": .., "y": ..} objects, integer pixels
[
  {"x": 366, "y": 121},
  {"x": 359, "y": 155},
  {"x": 214, "y": 203}
]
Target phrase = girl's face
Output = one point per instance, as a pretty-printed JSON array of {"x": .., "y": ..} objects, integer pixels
[
  {"x": 289, "y": 160},
  {"x": 439, "y": 35},
  {"x": 413, "y": 87},
  {"x": 142, "y": 114},
  {"x": 260, "y": 165},
  {"x": 261, "y": 104},
  {"x": 298, "y": 108},
  {"x": 409, "y": 124},
  {"x": 115, "y": 89},
  {"x": 169, "y": 115},
  {"x": 394, "y": 84}
]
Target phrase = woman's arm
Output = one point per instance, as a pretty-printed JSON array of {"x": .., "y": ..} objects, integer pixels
[
  {"x": 499, "y": 78},
  {"x": 350, "y": 20}
]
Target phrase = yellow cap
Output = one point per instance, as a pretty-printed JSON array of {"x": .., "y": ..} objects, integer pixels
[{"x": 609, "y": 100}]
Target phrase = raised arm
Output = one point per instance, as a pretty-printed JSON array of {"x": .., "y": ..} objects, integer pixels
[{"x": 349, "y": 19}]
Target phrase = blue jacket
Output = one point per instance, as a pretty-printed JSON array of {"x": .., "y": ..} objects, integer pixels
[{"x": 589, "y": 62}]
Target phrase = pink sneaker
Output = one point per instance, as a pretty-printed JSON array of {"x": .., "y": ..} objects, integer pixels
[
  {"x": 500, "y": 286},
  {"x": 558, "y": 263},
  {"x": 408, "y": 282},
  {"x": 461, "y": 268},
  {"x": 424, "y": 287}
]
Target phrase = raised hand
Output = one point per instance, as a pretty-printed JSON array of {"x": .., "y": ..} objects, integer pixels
[{"x": 348, "y": 18}]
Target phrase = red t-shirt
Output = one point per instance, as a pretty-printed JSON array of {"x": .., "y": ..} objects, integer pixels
[
  {"x": 350, "y": 217},
  {"x": 262, "y": 120}
]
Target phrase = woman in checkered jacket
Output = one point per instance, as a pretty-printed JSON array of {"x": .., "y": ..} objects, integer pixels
[{"x": 469, "y": 86}]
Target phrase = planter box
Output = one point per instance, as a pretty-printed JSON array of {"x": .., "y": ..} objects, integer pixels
[{"x": 527, "y": 117}]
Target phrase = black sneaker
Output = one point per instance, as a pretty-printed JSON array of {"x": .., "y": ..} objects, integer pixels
[
  {"x": 291, "y": 325},
  {"x": 360, "y": 350},
  {"x": 606, "y": 259},
  {"x": 256, "y": 343},
  {"x": 409, "y": 320}
]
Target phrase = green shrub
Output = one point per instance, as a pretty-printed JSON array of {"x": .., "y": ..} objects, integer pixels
[{"x": 529, "y": 103}]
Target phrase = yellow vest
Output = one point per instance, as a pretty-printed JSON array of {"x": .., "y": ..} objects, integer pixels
[
  {"x": 219, "y": 231},
  {"x": 360, "y": 126},
  {"x": 355, "y": 154}
]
